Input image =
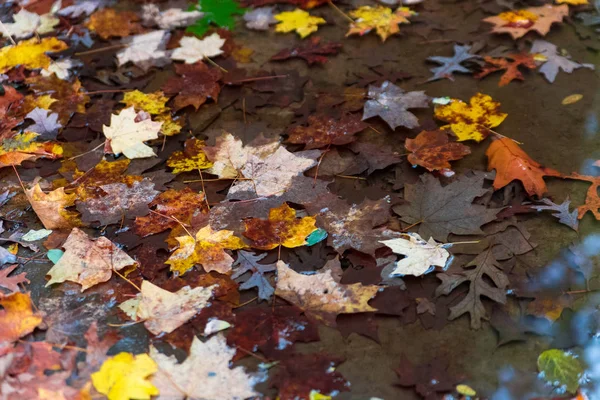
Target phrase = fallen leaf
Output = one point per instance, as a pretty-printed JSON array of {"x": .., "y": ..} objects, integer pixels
[
  {"x": 17, "y": 318},
  {"x": 421, "y": 256},
  {"x": 193, "y": 86},
  {"x": 260, "y": 18},
  {"x": 571, "y": 99},
  {"x": 26, "y": 24},
  {"x": 46, "y": 123},
  {"x": 191, "y": 49},
  {"x": 127, "y": 135},
  {"x": 125, "y": 376},
  {"x": 299, "y": 21},
  {"x": 170, "y": 18},
  {"x": 382, "y": 19},
  {"x": 192, "y": 158},
  {"x": 216, "y": 12},
  {"x": 561, "y": 211},
  {"x": 205, "y": 373},
  {"x": 485, "y": 279},
  {"x": 11, "y": 283},
  {"x": 23, "y": 147},
  {"x": 554, "y": 61},
  {"x": 592, "y": 200},
  {"x": 70, "y": 97},
  {"x": 88, "y": 262},
  {"x": 451, "y": 64},
  {"x": 320, "y": 296},
  {"x": 109, "y": 22},
  {"x": 281, "y": 229},
  {"x": 314, "y": 52},
  {"x": 560, "y": 368},
  {"x": 324, "y": 131},
  {"x": 440, "y": 210},
  {"x": 146, "y": 50},
  {"x": 249, "y": 262},
  {"x": 207, "y": 248},
  {"x": 50, "y": 207},
  {"x": 163, "y": 311},
  {"x": 392, "y": 103},
  {"x": 512, "y": 163},
  {"x": 518, "y": 22},
  {"x": 430, "y": 379},
  {"x": 511, "y": 67},
  {"x": 432, "y": 150},
  {"x": 62, "y": 68},
  {"x": 31, "y": 53},
  {"x": 471, "y": 121}
]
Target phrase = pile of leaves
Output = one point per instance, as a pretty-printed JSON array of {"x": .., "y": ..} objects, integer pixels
[{"x": 143, "y": 177}]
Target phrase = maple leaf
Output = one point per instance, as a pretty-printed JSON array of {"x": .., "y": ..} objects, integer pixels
[
  {"x": 164, "y": 311},
  {"x": 511, "y": 67},
  {"x": 302, "y": 376},
  {"x": 109, "y": 22},
  {"x": 382, "y": 19},
  {"x": 553, "y": 61},
  {"x": 512, "y": 163},
  {"x": 441, "y": 210},
  {"x": 31, "y": 53},
  {"x": 391, "y": 103},
  {"x": 121, "y": 201},
  {"x": 12, "y": 283},
  {"x": 321, "y": 296},
  {"x": 429, "y": 379},
  {"x": 229, "y": 155},
  {"x": 154, "y": 104},
  {"x": 421, "y": 256},
  {"x": 484, "y": 265},
  {"x": 325, "y": 131},
  {"x": 170, "y": 18},
  {"x": 146, "y": 50},
  {"x": 299, "y": 21},
  {"x": 194, "y": 85},
  {"x": 207, "y": 248},
  {"x": 191, "y": 49},
  {"x": 17, "y": 318},
  {"x": 281, "y": 229},
  {"x": 192, "y": 158},
  {"x": 260, "y": 18},
  {"x": 216, "y": 12},
  {"x": 592, "y": 200},
  {"x": 451, "y": 64},
  {"x": 27, "y": 23},
  {"x": 249, "y": 262},
  {"x": 46, "y": 123},
  {"x": 50, "y": 207},
  {"x": 314, "y": 52},
  {"x": 127, "y": 135},
  {"x": 82, "y": 7},
  {"x": 23, "y": 147},
  {"x": 125, "y": 376},
  {"x": 71, "y": 99},
  {"x": 518, "y": 22},
  {"x": 432, "y": 150},
  {"x": 561, "y": 211},
  {"x": 62, "y": 68},
  {"x": 471, "y": 121},
  {"x": 88, "y": 262}
]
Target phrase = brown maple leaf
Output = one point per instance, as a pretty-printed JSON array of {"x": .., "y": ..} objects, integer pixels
[
  {"x": 518, "y": 22},
  {"x": 511, "y": 67},
  {"x": 432, "y": 150},
  {"x": 109, "y": 23},
  {"x": 50, "y": 207},
  {"x": 195, "y": 84},
  {"x": 313, "y": 52},
  {"x": 324, "y": 131}
]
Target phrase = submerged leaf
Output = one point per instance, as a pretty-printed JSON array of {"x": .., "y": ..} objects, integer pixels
[
  {"x": 391, "y": 103},
  {"x": 560, "y": 368}
]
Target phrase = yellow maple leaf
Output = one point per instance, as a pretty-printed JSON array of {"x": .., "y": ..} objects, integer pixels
[
  {"x": 382, "y": 19},
  {"x": 30, "y": 53},
  {"x": 125, "y": 376},
  {"x": 30, "y": 102},
  {"x": 573, "y": 2},
  {"x": 23, "y": 147},
  {"x": 471, "y": 121},
  {"x": 207, "y": 248},
  {"x": 152, "y": 103},
  {"x": 298, "y": 20},
  {"x": 192, "y": 158}
]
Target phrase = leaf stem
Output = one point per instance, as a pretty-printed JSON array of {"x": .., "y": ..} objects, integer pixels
[{"x": 343, "y": 14}]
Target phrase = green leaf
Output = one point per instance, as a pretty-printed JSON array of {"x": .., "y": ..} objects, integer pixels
[
  {"x": 54, "y": 255},
  {"x": 316, "y": 236},
  {"x": 216, "y": 12},
  {"x": 560, "y": 368}
]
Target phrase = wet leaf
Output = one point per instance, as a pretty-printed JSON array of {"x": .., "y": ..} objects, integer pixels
[
  {"x": 511, "y": 67},
  {"x": 432, "y": 150},
  {"x": 451, "y": 64},
  {"x": 518, "y": 23},
  {"x": 392, "y": 103},
  {"x": 299, "y": 21},
  {"x": 560, "y": 368},
  {"x": 192, "y": 158},
  {"x": 592, "y": 200},
  {"x": 50, "y": 207},
  {"x": 23, "y": 147},
  {"x": 125, "y": 376},
  {"x": 430, "y": 379},
  {"x": 260, "y": 18},
  {"x": 193, "y": 86},
  {"x": 249, "y": 262},
  {"x": 109, "y": 22},
  {"x": 382, "y": 19},
  {"x": 127, "y": 135},
  {"x": 146, "y": 50},
  {"x": 420, "y": 256},
  {"x": 325, "y": 131},
  {"x": 314, "y": 52},
  {"x": 216, "y": 12},
  {"x": 30, "y": 53},
  {"x": 561, "y": 211},
  {"x": 11, "y": 283},
  {"x": 193, "y": 50},
  {"x": 170, "y": 18},
  {"x": 70, "y": 97},
  {"x": 554, "y": 61},
  {"x": 45, "y": 123},
  {"x": 571, "y": 99},
  {"x": 17, "y": 318}
]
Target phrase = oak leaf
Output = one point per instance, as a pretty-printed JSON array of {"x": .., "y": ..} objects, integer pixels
[
  {"x": 592, "y": 200},
  {"x": 518, "y": 22},
  {"x": 88, "y": 262},
  {"x": 249, "y": 262},
  {"x": 23, "y": 147},
  {"x": 391, "y": 103},
  {"x": 31, "y": 53},
  {"x": 192, "y": 158},
  {"x": 125, "y": 376},
  {"x": 206, "y": 248},
  {"x": 314, "y": 52},
  {"x": 560, "y": 211},
  {"x": 109, "y": 22},
  {"x": 127, "y": 135},
  {"x": 299, "y": 21},
  {"x": 17, "y": 318},
  {"x": 146, "y": 50},
  {"x": 553, "y": 61},
  {"x": 440, "y": 210},
  {"x": 321, "y": 296},
  {"x": 382, "y": 19},
  {"x": 163, "y": 311},
  {"x": 325, "y": 131},
  {"x": 191, "y": 49},
  {"x": 82, "y": 7},
  {"x": 193, "y": 86},
  {"x": 471, "y": 121},
  {"x": 432, "y": 150},
  {"x": 421, "y": 256},
  {"x": 281, "y": 229},
  {"x": 511, "y": 67},
  {"x": 50, "y": 207},
  {"x": 451, "y": 64},
  {"x": 512, "y": 163},
  {"x": 11, "y": 283}
]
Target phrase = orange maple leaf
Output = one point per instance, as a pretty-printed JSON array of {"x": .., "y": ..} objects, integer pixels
[
  {"x": 518, "y": 22},
  {"x": 511, "y": 67},
  {"x": 17, "y": 318},
  {"x": 110, "y": 23}
]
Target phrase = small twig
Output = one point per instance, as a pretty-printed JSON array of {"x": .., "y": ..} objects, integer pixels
[
  {"x": 19, "y": 178},
  {"x": 203, "y": 189},
  {"x": 174, "y": 219},
  {"x": 351, "y": 177},
  {"x": 105, "y": 91},
  {"x": 127, "y": 323},
  {"x": 372, "y": 127},
  {"x": 260, "y": 78},
  {"x": 412, "y": 225},
  {"x": 340, "y": 11},
  {"x": 127, "y": 280},
  {"x": 465, "y": 242},
  {"x": 8, "y": 34},
  {"x": 89, "y": 151},
  {"x": 101, "y": 49},
  {"x": 246, "y": 303},
  {"x": 218, "y": 179},
  {"x": 499, "y": 134},
  {"x": 215, "y": 64},
  {"x": 252, "y": 354},
  {"x": 319, "y": 164}
]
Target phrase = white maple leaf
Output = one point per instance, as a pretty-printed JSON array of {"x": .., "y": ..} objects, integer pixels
[
  {"x": 62, "y": 68},
  {"x": 168, "y": 19},
  {"x": 192, "y": 49},
  {"x": 421, "y": 256},
  {"x": 146, "y": 50},
  {"x": 260, "y": 18},
  {"x": 25, "y": 24},
  {"x": 125, "y": 135},
  {"x": 205, "y": 373},
  {"x": 85, "y": 7},
  {"x": 46, "y": 123}
]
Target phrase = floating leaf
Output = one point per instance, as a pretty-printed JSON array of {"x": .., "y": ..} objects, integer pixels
[
  {"x": 560, "y": 368},
  {"x": 299, "y": 21},
  {"x": 382, "y": 19}
]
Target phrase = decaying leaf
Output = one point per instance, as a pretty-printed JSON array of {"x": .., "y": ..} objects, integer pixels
[
  {"x": 163, "y": 311},
  {"x": 50, "y": 207},
  {"x": 193, "y": 86},
  {"x": 571, "y": 99},
  {"x": 592, "y": 200},
  {"x": 192, "y": 158},
  {"x": 452, "y": 64},
  {"x": 205, "y": 373},
  {"x": 299, "y": 21},
  {"x": 11, "y": 283},
  {"x": 471, "y": 121},
  {"x": 432, "y": 150},
  {"x": 88, "y": 262},
  {"x": 192, "y": 49},
  {"x": 511, "y": 67},
  {"x": 382, "y": 19},
  {"x": 392, "y": 103},
  {"x": 553, "y": 60},
  {"x": 518, "y": 22},
  {"x": 127, "y": 135},
  {"x": 125, "y": 376},
  {"x": 421, "y": 256},
  {"x": 561, "y": 368},
  {"x": 320, "y": 296},
  {"x": 325, "y": 131}
]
